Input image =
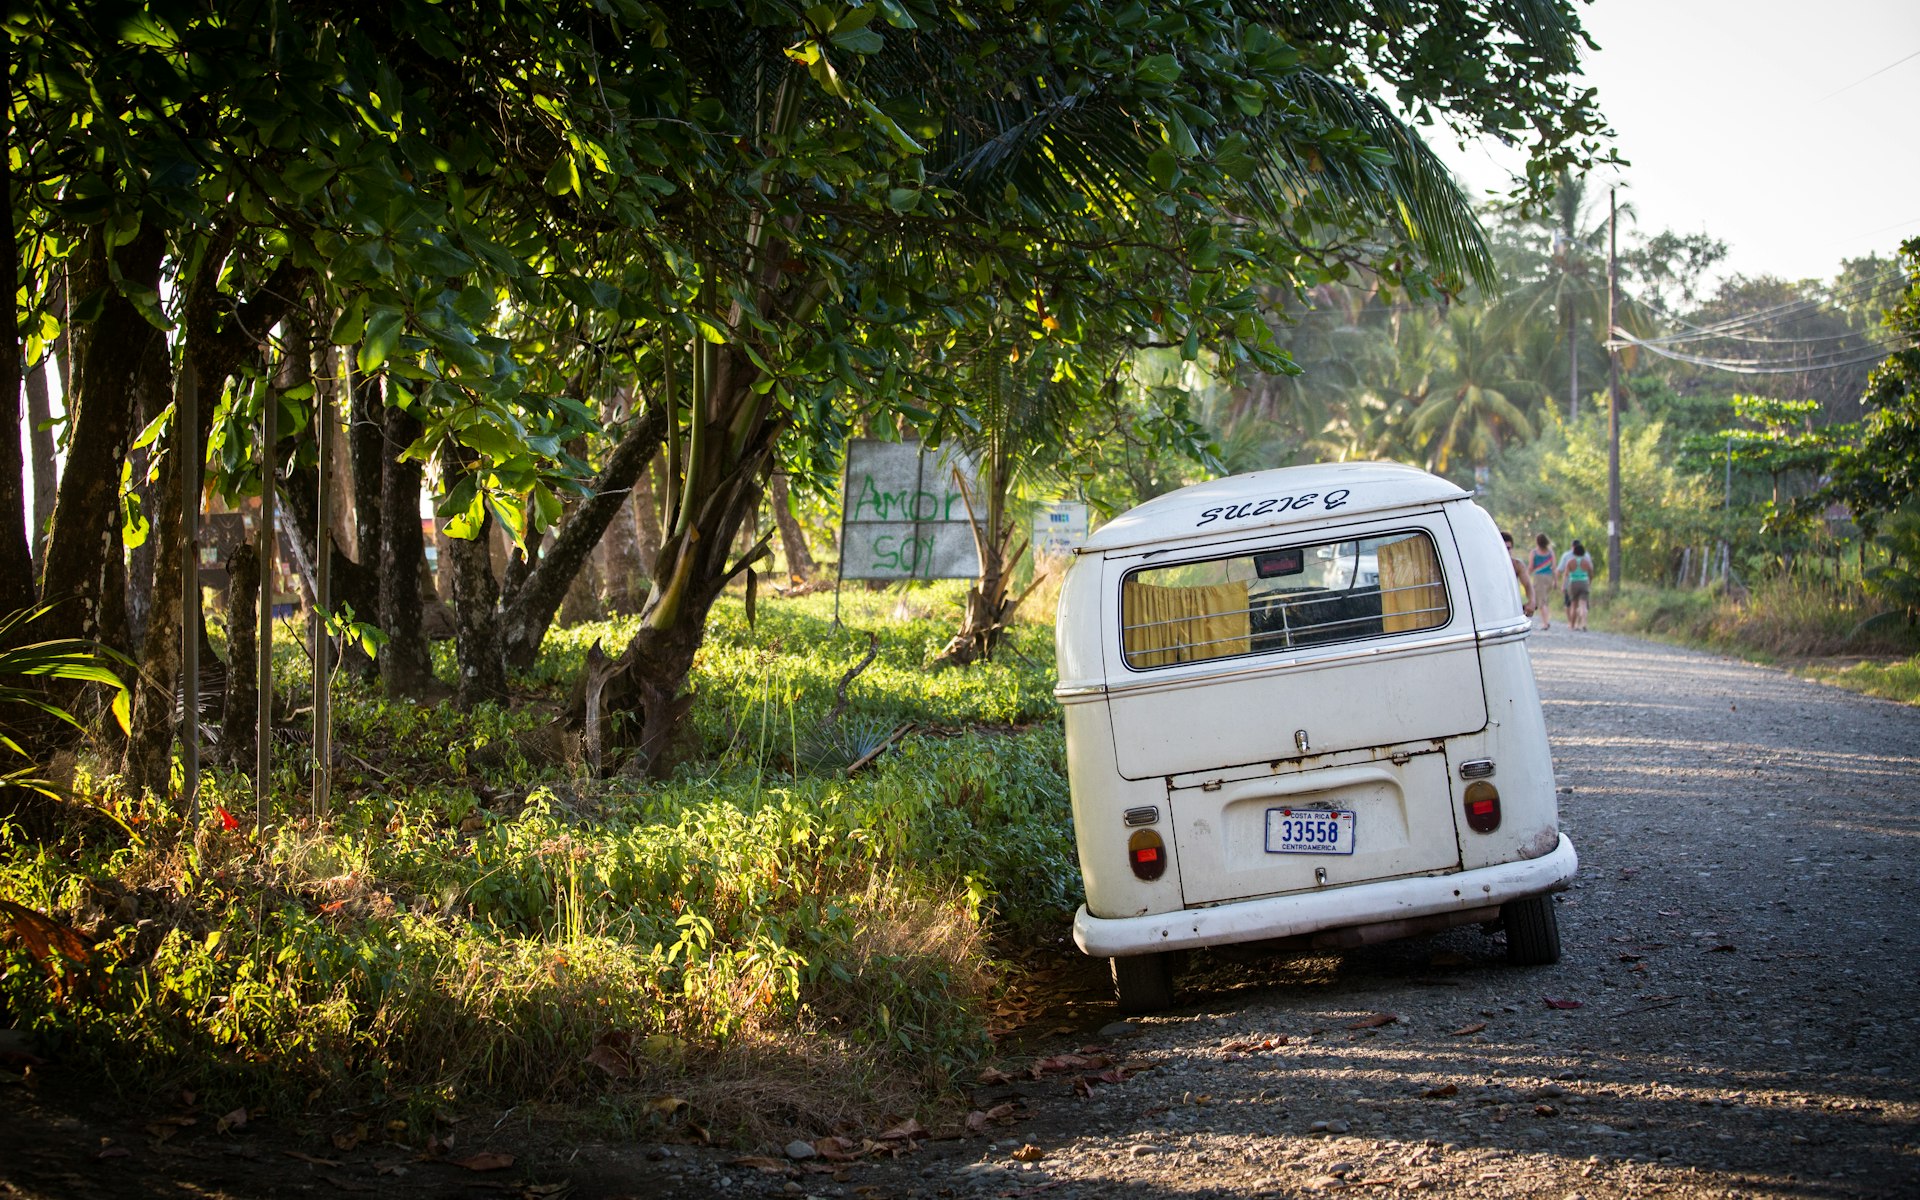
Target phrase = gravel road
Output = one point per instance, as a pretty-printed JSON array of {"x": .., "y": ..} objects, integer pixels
[
  {"x": 1737, "y": 1013},
  {"x": 1740, "y": 943}
]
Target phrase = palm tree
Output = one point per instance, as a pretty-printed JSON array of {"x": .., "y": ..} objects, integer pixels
[
  {"x": 1476, "y": 403},
  {"x": 1562, "y": 262}
]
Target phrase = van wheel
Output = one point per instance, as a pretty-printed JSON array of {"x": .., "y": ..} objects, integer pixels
[
  {"x": 1533, "y": 931},
  {"x": 1143, "y": 982}
]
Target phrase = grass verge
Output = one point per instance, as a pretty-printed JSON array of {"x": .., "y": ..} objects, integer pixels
[
  {"x": 763, "y": 942},
  {"x": 1785, "y": 622}
]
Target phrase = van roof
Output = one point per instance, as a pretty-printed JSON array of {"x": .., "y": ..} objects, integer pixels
[{"x": 1244, "y": 503}]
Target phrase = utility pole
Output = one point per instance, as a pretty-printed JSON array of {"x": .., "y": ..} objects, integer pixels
[{"x": 1613, "y": 397}]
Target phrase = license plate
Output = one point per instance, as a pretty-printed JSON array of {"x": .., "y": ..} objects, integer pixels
[{"x": 1309, "y": 831}]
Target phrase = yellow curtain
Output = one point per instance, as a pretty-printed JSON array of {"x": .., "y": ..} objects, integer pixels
[
  {"x": 1411, "y": 596},
  {"x": 1163, "y": 625}
]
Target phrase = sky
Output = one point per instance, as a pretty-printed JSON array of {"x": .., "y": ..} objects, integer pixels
[{"x": 1785, "y": 130}]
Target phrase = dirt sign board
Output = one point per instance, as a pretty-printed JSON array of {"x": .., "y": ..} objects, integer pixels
[{"x": 905, "y": 513}]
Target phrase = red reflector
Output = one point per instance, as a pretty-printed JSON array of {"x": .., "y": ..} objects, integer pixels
[
  {"x": 1482, "y": 805},
  {"x": 1147, "y": 854}
]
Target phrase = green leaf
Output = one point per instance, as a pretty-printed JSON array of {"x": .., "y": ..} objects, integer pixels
[
  {"x": 903, "y": 200},
  {"x": 512, "y": 517},
  {"x": 563, "y": 176},
  {"x": 547, "y": 509},
  {"x": 352, "y": 322},
  {"x": 381, "y": 336},
  {"x": 1161, "y": 68},
  {"x": 859, "y": 41}
]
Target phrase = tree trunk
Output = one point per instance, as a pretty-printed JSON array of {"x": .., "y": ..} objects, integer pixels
[
  {"x": 147, "y": 764},
  {"x": 483, "y": 673},
  {"x": 406, "y": 663},
  {"x": 151, "y": 397},
  {"x": 443, "y": 561},
  {"x": 646, "y": 516},
  {"x": 582, "y": 601},
  {"x": 793, "y": 539},
  {"x": 108, "y": 352},
  {"x": 351, "y": 583},
  {"x": 723, "y": 488},
  {"x": 530, "y": 609},
  {"x": 237, "y": 715},
  {"x": 623, "y": 580},
  {"x": 367, "y": 456},
  {"x": 45, "y": 468},
  {"x": 16, "y": 553}
]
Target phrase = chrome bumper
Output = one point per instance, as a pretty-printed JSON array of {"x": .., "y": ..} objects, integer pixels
[{"x": 1312, "y": 912}]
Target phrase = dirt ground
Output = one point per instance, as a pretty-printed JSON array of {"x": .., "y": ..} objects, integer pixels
[{"x": 1737, "y": 1014}]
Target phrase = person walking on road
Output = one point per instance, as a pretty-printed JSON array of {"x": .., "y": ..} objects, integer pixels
[
  {"x": 1540, "y": 566},
  {"x": 1576, "y": 574},
  {"x": 1519, "y": 574}
]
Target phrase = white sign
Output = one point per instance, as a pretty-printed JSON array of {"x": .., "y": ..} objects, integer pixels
[
  {"x": 904, "y": 514},
  {"x": 1060, "y": 527}
]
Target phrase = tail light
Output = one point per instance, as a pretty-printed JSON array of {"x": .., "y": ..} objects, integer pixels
[
  {"x": 1147, "y": 854},
  {"x": 1483, "y": 807}
]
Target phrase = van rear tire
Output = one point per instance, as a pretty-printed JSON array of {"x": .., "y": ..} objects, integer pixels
[
  {"x": 1143, "y": 983},
  {"x": 1533, "y": 931}
]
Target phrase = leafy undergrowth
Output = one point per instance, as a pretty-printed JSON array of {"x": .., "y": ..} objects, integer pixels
[{"x": 761, "y": 942}]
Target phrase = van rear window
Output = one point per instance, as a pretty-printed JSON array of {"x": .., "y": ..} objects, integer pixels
[{"x": 1281, "y": 598}]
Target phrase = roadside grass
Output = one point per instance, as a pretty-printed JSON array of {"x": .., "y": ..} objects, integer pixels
[
  {"x": 1887, "y": 680},
  {"x": 1779, "y": 622},
  {"x": 761, "y": 943}
]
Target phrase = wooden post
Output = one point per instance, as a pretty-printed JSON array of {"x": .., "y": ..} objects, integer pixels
[
  {"x": 323, "y": 595},
  {"x": 269, "y": 573},
  {"x": 186, "y": 416}
]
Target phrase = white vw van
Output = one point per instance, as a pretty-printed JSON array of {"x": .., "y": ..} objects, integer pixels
[{"x": 1299, "y": 712}]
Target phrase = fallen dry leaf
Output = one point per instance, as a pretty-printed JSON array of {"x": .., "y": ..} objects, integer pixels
[
  {"x": 486, "y": 1160},
  {"x": 666, "y": 1106},
  {"x": 237, "y": 1119},
  {"x": 1029, "y": 1153},
  {"x": 114, "y": 1152},
  {"x": 1375, "y": 1021},
  {"x": 1441, "y": 1092},
  {"x": 834, "y": 1149},
  {"x": 1552, "y": 1003},
  {"x": 907, "y": 1130},
  {"x": 760, "y": 1162},
  {"x": 991, "y": 1077},
  {"x": 976, "y": 1122},
  {"x": 1545, "y": 1110},
  {"x": 1465, "y": 1030}
]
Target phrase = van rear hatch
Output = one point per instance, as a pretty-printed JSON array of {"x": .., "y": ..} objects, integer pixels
[
  {"x": 1298, "y": 830},
  {"x": 1281, "y": 650}
]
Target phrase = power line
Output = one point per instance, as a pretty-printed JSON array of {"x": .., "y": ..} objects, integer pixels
[
  {"x": 1828, "y": 297},
  {"x": 1856, "y": 83},
  {"x": 1760, "y": 366}
]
